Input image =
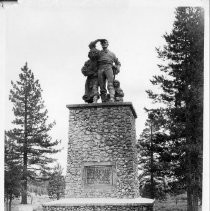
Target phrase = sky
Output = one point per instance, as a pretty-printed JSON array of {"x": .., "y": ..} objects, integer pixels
[{"x": 52, "y": 36}]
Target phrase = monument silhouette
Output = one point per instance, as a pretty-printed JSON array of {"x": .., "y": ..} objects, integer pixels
[{"x": 102, "y": 167}]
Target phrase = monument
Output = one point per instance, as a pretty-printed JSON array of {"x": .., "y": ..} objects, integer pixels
[{"x": 102, "y": 158}]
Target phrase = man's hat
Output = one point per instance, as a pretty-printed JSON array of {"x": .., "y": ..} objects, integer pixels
[{"x": 104, "y": 41}]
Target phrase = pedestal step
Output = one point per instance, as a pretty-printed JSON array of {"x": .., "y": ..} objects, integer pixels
[{"x": 99, "y": 204}]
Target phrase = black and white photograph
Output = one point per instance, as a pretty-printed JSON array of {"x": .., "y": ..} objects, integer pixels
[{"x": 105, "y": 105}]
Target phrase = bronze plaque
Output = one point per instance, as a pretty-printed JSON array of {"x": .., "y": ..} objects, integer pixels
[{"x": 99, "y": 175}]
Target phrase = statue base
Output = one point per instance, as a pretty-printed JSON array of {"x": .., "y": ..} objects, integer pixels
[
  {"x": 99, "y": 204},
  {"x": 102, "y": 166}
]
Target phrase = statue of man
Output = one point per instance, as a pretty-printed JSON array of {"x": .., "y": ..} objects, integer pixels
[{"x": 106, "y": 61}]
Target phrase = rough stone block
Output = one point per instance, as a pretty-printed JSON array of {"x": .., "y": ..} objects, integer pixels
[{"x": 100, "y": 134}]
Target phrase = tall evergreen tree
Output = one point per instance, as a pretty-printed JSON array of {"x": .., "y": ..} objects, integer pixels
[
  {"x": 182, "y": 92},
  {"x": 151, "y": 144},
  {"x": 31, "y": 128}
]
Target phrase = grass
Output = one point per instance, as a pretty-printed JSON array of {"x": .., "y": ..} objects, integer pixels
[
  {"x": 36, "y": 204},
  {"x": 176, "y": 203}
]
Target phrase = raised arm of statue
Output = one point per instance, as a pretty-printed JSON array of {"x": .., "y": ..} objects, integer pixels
[{"x": 93, "y": 44}]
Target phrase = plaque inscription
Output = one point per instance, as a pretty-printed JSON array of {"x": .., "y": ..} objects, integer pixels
[{"x": 99, "y": 175}]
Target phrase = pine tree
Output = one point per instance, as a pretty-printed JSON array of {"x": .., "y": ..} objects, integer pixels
[
  {"x": 151, "y": 144},
  {"x": 56, "y": 185},
  {"x": 182, "y": 92},
  {"x": 31, "y": 128}
]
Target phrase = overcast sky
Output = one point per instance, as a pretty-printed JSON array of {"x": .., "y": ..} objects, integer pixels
[{"x": 53, "y": 37}]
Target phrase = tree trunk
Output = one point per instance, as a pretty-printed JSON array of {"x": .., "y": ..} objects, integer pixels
[
  {"x": 195, "y": 202},
  {"x": 24, "y": 190},
  {"x": 7, "y": 203},
  {"x": 195, "y": 193},
  {"x": 189, "y": 199},
  {"x": 25, "y": 158},
  {"x": 151, "y": 166},
  {"x": 10, "y": 203},
  {"x": 24, "y": 194},
  {"x": 189, "y": 179},
  {"x": 192, "y": 201},
  {"x": 192, "y": 187},
  {"x": 192, "y": 181},
  {"x": 31, "y": 198}
]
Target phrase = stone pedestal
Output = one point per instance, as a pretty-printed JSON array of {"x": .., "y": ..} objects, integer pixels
[{"x": 102, "y": 159}]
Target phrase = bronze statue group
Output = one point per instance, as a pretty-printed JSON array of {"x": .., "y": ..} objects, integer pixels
[{"x": 100, "y": 70}]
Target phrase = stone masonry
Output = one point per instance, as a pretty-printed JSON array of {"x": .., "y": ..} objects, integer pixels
[
  {"x": 102, "y": 160},
  {"x": 96, "y": 208}
]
